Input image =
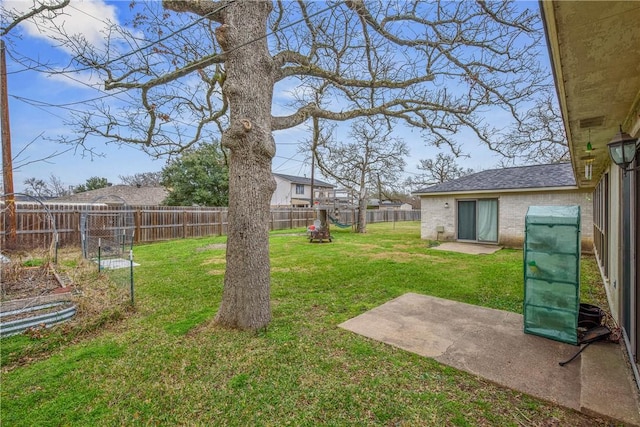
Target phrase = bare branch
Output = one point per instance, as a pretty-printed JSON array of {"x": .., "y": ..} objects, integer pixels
[
  {"x": 116, "y": 83},
  {"x": 20, "y": 161},
  {"x": 17, "y": 19},
  {"x": 211, "y": 9}
]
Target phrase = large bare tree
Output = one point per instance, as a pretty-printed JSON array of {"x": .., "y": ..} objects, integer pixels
[
  {"x": 202, "y": 67},
  {"x": 369, "y": 156},
  {"x": 54, "y": 187},
  {"x": 435, "y": 171}
]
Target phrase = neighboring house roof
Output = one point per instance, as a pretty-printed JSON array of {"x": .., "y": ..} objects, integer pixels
[
  {"x": 303, "y": 180},
  {"x": 376, "y": 202},
  {"x": 21, "y": 197},
  {"x": 555, "y": 175},
  {"x": 115, "y": 194}
]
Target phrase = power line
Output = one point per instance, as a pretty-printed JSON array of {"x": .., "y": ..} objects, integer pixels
[
  {"x": 106, "y": 94},
  {"x": 140, "y": 49},
  {"x": 40, "y": 105},
  {"x": 161, "y": 39}
]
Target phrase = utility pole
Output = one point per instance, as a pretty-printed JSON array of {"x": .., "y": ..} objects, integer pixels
[{"x": 7, "y": 165}]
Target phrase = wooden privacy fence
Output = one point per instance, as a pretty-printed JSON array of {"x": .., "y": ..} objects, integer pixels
[{"x": 155, "y": 223}]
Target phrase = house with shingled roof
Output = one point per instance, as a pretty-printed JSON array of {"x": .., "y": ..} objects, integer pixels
[
  {"x": 490, "y": 206},
  {"x": 118, "y": 195},
  {"x": 295, "y": 191}
]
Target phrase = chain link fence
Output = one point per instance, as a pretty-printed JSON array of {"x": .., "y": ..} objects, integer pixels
[{"x": 107, "y": 240}]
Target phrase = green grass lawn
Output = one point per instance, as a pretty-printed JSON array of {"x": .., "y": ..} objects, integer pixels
[{"x": 164, "y": 363}]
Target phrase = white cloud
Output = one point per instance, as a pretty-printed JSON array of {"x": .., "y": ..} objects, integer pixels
[
  {"x": 90, "y": 18},
  {"x": 80, "y": 80}
]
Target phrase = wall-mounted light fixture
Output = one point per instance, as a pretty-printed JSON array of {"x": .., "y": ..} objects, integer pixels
[
  {"x": 622, "y": 150},
  {"x": 446, "y": 205}
]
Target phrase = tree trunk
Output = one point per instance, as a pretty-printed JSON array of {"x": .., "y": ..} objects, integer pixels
[
  {"x": 362, "y": 215},
  {"x": 249, "y": 90}
]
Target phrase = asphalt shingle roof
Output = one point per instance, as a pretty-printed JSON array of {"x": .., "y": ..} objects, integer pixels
[
  {"x": 522, "y": 177},
  {"x": 303, "y": 180},
  {"x": 143, "y": 196}
]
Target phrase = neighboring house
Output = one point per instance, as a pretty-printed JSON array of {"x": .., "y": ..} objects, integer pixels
[
  {"x": 388, "y": 205},
  {"x": 118, "y": 195},
  {"x": 595, "y": 58},
  {"x": 491, "y": 206},
  {"x": 295, "y": 191}
]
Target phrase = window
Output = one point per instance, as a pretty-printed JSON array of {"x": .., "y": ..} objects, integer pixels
[
  {"x": 600, "y": 223},
  {"x": 299, "y": 188},
  {"x": 478, "y": 220}
]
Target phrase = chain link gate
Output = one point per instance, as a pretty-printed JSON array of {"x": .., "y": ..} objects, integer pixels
[{"x": 107, "y": 239}]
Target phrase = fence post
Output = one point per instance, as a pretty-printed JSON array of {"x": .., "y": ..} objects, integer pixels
[
  {"x": 184, "y": 224},
  {"x": 137, "y": 224},
  {"x": 76, "y": 220}
]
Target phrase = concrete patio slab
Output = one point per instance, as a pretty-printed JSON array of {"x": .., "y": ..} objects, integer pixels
[
  {"x": 467, "y": 248},
  {"x": 491, "y": 344}
]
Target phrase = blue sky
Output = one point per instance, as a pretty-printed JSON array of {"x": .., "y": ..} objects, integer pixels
[{"x": 39, "y": 105}]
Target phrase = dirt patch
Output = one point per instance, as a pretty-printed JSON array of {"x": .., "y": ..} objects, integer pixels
[
  {"x": 364, "y": 246},
  {"x": 404, "y": 257},
  {"x": 212, "y": 247}
]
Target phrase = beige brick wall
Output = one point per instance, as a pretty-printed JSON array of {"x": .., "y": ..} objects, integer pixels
[{"x": 512, "y": 209}]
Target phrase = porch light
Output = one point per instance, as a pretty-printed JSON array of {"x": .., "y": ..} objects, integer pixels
[{"x": 622, "y": 149}]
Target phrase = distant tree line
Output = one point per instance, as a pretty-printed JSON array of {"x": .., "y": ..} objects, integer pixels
[{"x": 198, "y": 176}]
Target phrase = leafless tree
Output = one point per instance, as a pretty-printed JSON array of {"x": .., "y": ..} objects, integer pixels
[
  {"x": 58, "y": 189},
  {"x": 213, "y": 67},
  {"x": 371, "y": 155},
  {"x": 37, "y": 187},
  {"x": 443, "y": 168}
]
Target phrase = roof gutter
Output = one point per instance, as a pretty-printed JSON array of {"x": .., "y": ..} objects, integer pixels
[{"x": 497, "y": 190}]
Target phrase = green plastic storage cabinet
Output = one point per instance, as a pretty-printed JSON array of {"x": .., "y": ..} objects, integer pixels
[{"x": 552, "y": 272}]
